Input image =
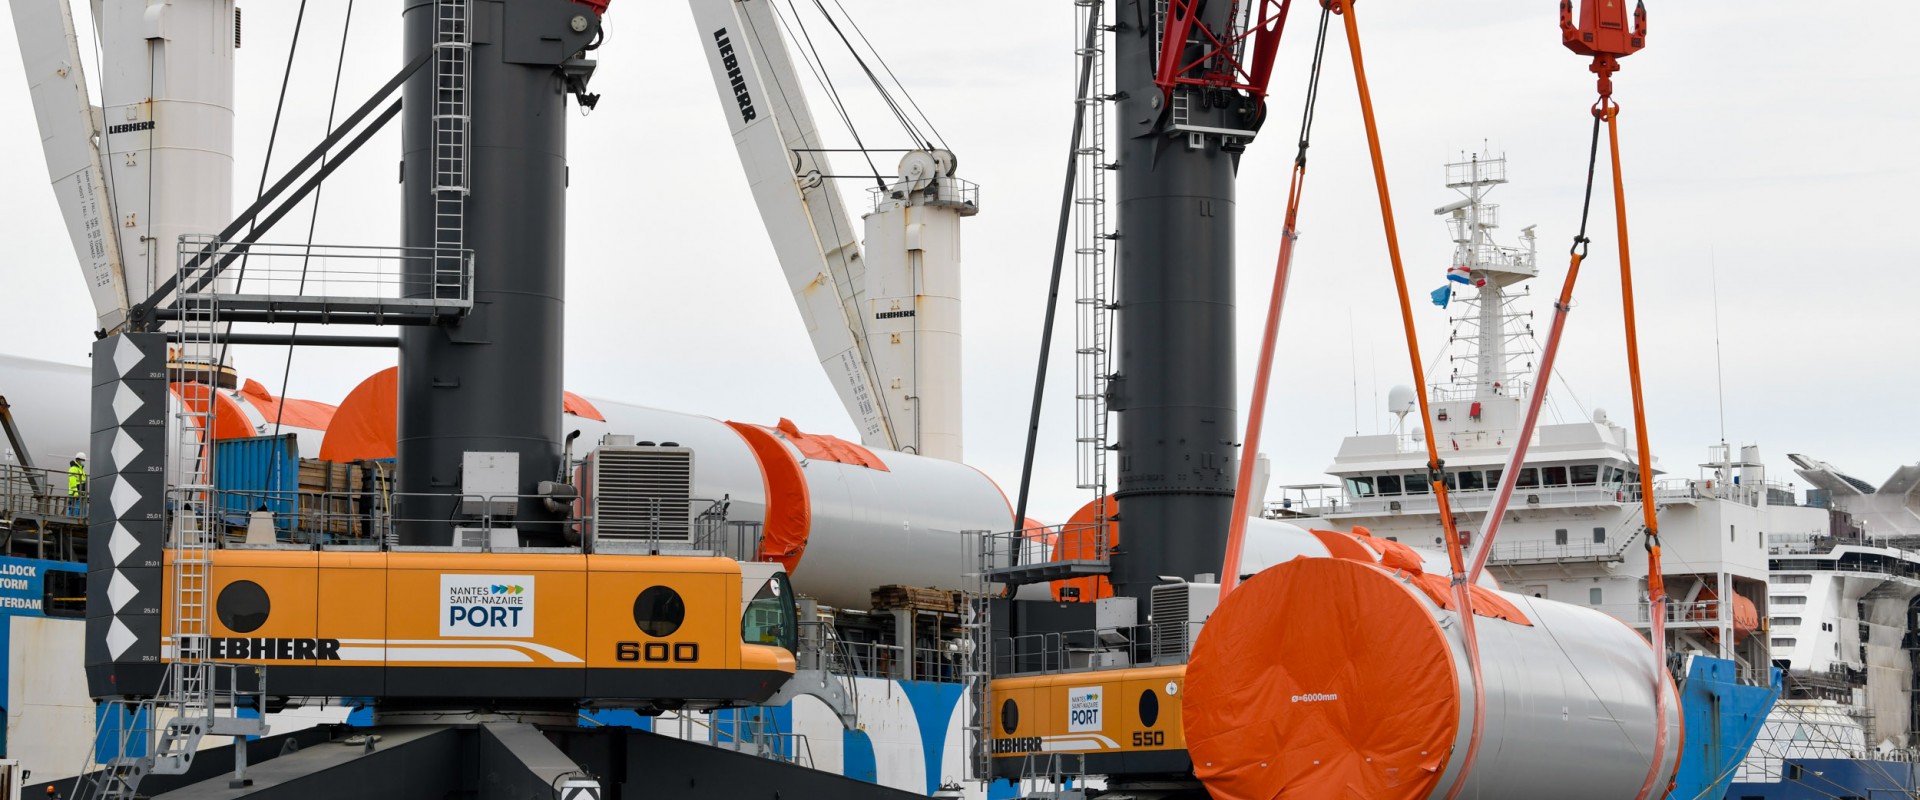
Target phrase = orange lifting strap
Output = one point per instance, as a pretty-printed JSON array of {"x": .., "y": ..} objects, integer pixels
[{"x": 1463, "y": 599}]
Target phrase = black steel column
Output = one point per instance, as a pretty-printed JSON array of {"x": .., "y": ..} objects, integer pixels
[
  {"x": 492, "y": 381},
  {"x": 1174, "y": 389}
]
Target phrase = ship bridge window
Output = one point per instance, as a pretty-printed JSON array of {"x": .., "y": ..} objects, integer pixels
[
  {"x": 1786, "y": 622},
  {"x": 1788, "y": 600},
  {"x": 1417, "y": 484},
  {"x": 1387, "y": 484},
  {"x": 1586, "y": 474},
  {"x": 1529, "y": 478},
  {"x": 1471, "y": 480},
  {"x": 1789, "y": 578},
  {"x": 1493, "y": 478},
  {"x": 1553, "y": 476},
  {"x": 1781, "y": 641},
  {"x": 1360, "y": 487}
]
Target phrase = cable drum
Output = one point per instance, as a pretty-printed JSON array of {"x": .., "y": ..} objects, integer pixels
[{"x": 1327, "y": 677}]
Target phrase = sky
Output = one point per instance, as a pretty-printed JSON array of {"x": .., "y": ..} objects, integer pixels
[{"x": 1769, "y": 156}]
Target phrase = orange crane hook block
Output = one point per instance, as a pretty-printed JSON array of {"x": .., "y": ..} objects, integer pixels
[{"x": 1602, "y": 33}]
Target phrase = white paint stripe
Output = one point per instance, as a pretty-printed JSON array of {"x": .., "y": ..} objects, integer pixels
[
  {"x": 455, "y": 654},
  {"x": 1089, "y": 741}
]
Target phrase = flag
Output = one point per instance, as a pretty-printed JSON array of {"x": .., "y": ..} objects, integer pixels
[
  {"x": 1461, "y": 273},
  {"x": 1442, "y": 295}
]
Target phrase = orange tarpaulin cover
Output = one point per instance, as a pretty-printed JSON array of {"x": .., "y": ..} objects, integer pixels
[
  {"x": 229, "y": 420},
  {"x": 789, "y": 520},
  {"x": 829, "y": 448},
  {"x": 286, "y": 411},
  {"x": 1398, "y": 556},
  {"x": 579, "y": 406},
  {"x": 367, "y": 423},
  {"x": 1283, "y": 700}
]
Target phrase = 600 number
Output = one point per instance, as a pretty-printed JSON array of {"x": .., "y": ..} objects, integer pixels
[{"x": 657, "y": 652}]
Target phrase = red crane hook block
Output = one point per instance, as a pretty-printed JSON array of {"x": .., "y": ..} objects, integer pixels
[{"x": 1602, "y": 33}]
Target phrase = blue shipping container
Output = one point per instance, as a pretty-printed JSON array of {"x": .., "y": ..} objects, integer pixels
[{"x": 258, "y": 472}]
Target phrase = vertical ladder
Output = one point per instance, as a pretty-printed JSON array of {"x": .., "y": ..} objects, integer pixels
[
  {"x": 186, "y": 693},
  {"x": 452, "y": 60},
  {"x": 1094, "y": 301},
  {"x": 978, "y": 673}
]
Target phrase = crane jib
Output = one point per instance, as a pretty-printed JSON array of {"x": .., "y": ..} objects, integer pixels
[{"x": 732, "y": 63}]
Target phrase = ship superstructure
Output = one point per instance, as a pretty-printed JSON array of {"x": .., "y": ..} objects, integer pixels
[{"x": 1845, "y": 605}]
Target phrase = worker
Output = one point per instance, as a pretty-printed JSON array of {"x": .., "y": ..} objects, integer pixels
[{"x": 77, "y": 480}]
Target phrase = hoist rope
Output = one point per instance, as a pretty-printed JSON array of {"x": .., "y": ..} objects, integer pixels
[
  {"x": 819, "y": 68},
  {"x": 313, "y": 222},
  {"x": 1283, "y": 265},
  {"x": 899, "y": 114},
  {"x": 1463, "y": 599},
  {"x": 882, "y": 60},
  {"x": 1080, "y": 112}
]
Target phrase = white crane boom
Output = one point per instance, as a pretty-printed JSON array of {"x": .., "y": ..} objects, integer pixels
[
  {"x": 813, "y": 236},
  {"x": 885, "y": 322},
  {"x": 69, "y": 131}
]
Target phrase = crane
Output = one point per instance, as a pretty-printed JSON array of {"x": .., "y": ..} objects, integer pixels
[{"x": 884, "y": 319}]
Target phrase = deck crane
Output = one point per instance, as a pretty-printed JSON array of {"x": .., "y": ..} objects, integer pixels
[{"x": 884, "y": 319}]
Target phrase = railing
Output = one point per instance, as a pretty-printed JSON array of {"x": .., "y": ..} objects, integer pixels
[
  {"x": 947, "y": 191},
  {"x": 1541, "y": 551},
  {"x": 38, "y": 492},
  {"x": 1092, "y": 649},
  {"x": 1053, "y": 544},
  {"x": 344, "y": 276},
  {"x": 1694, "y": 614}
]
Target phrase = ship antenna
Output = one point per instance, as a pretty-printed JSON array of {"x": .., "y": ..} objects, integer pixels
[{"x": 1719, "y": 370}]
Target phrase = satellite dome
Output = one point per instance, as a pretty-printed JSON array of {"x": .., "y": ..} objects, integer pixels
[
  {"x": 1401, "y": 400},
  {"x": 1600, "y": 416}
]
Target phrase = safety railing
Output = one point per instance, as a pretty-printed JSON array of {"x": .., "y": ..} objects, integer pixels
[
  {"x": 288, "y": 277},
  {"x": 1537, "y": 551},
  {"x": 42, "y": 493},
  {"x": 1046, "y": 553},
  {"x": 948, "y": 191},
  {"x": 1092, "y": 649}
]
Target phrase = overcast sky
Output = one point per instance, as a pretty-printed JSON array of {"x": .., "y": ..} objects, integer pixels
[{"x": 1763, "y": 139}]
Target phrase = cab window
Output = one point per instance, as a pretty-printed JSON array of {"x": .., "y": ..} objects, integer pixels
[{"x": 770, "y": 617}]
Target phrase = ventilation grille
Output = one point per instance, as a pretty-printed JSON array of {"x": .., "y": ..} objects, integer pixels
[
  {"x": 643, "y": 494},
  {"x": 1170, "y": 614}
]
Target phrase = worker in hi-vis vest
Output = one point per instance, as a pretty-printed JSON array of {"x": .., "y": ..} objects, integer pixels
[{"x": 77, "y": 476}]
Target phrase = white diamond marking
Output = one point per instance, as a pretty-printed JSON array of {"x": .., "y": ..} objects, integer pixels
[
  {"x": 120, "y": 591},
  {"x": 125, "y": 356},
  {"x": 119, "y": 638},
  {"x": 125, "y": 403},
  {"x": 124, "y": 497},
  {"x": 125, "y": 449},
  {"x": 122, "y": 543}
]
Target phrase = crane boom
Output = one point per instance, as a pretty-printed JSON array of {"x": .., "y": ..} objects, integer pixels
[
  {"x": 813, "y": 236},
  {"x": 69, "y": 131}
]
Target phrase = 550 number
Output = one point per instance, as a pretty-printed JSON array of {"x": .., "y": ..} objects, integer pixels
[{"x": 1149, "y": 738}]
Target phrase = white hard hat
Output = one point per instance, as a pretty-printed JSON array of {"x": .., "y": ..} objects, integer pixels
[{"x": 79, "y": 456}]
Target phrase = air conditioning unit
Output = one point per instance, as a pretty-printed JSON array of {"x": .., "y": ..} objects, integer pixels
[
  {"x": 639, "y": 496},
  {"x": 1178, "y": 611}
]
